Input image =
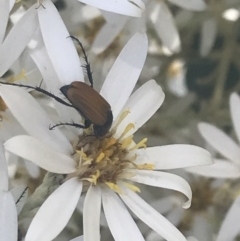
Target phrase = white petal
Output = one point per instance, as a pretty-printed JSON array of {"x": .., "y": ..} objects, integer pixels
[
  {"x": 124, "y": 73},
  {"x": 220, "y": 141},
  {"x": 32, "y": 169},
  {"x": 20, "y": 194},
  {"x": 235, "y": 114},
  {"x": 17, "y": 39},
  {"x": 4, "y": 13},
  {"x": 55, "y": 212},
  {"x": 195, "y": 5},
  {"x": 33, "y": 118},
  {"x": 8, "y": 217},
  {"x": 165, "y": 27},
  {"x": 61, "y": 49},
  {"x": 120, "y": 222},
  {"x": 124, "y": 7},
  {"x": 142, "y": 104},
  {"x": 91, "y": 214},
  {"x": 3, "y": 170},
  {"x": 174, "y": 156},
  {"x": 208, "y": 36},
  {"x": 150, "y": 216},
  {"x": 220, "y": 169},
  {"x": 230, "y": 227},
  {"x": 164, "y": 180},
  {"x": 107, "y": 34},
  {"x": 79, "y": 238},
  {"x": 40, "y": 153}
]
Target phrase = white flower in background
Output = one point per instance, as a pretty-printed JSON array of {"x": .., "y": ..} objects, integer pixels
[
  {"x": 105, "y": 165},
  {"x": 230, "y": 227},
  {"x": 11, "y": 203},
  {"x": 160, "y": 16},
  {"x": 229, "y": 166}
]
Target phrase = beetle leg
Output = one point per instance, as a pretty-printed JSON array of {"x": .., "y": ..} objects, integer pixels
[
  {"x": 38, "y": 89},
  {"x": 68, "y": 124},
  {"x": 87, "y": 65}
]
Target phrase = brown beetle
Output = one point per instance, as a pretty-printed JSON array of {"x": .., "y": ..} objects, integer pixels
[
  {"x": 91, "y": 105},
  {"x": 87, "y": 101}
]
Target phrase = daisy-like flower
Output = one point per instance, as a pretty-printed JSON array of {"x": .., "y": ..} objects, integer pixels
[
  {"x": 105, "y": 167},
  {"x": 229, "y": 166}
]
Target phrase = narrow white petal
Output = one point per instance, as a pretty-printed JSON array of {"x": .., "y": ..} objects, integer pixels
[
  {"x": 195, "y": 5},
  {"x": 107, "y": 34},
  {"x": 150, "y": 216},
  {"x": 124, "y": 73},
  {"x": 20, "y": 194},
  {"x": 3, "y": 170},
  {"x": 61, "y": 49},
  {"x": 120, "y": 222},
  {"x": 208, "y": 36},
  {"x": 142, "y": 104},
  {"x": 235, "y": 114},
  {"x": 11, "y": 4},
  {"x": 165, "y": 27},
  {"x": 33, "y": 118},
  {"x": 32, "y": 169},
  {"x": 174, "y": 156},
  {"x": 220, "y": 169},
  {"x": 41, "y": 154},
  {"x": 164, "y": 180},
  {"x": 8, "y": 217},
  {"x": 91, "y": 214},
  {"x": 220, "y": 141},
  {"x": 79, "y": 238},
  {"x": 4, "y": 13},
  {"x": 230, "y": 226},
  {"x": 55, "y": 212},
  {"x": 17, "y": 39},
  {"x": 124, "y": 7}
]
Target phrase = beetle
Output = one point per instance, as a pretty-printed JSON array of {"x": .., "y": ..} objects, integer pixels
[{"x": 85, "y": 99}]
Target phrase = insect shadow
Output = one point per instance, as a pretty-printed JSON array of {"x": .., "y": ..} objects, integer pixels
[{"x": 84, "y": 98}]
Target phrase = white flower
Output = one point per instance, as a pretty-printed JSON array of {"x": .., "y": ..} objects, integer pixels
[
  {"x": 229, "y": 167},
  {"x": 12, "y": 45},
  {"x": 108, "y": 165}
]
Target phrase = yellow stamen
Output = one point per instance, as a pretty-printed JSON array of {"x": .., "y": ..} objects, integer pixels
[
  {"x": 127, "y": 129},
  {"x": 146, "y": 166},
  {"x": 22, "y": 75},
  {"x": 132, "y": 187},
  {"x": 140, "y": 144},
  {"x": 109, "y": 143},
  {"x": 114, "y": 187},
  {"x": 83, "y": 156},
  {"x": 100, "y": 157},
  {"x": 122, "y": 117},
  {"x": 127, "y": 141},
  {"x": 17, "y": 1},
  {"x": 95, "y": 177}
]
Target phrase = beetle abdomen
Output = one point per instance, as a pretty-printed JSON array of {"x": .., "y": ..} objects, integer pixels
[{"x": 88, "y": 102}]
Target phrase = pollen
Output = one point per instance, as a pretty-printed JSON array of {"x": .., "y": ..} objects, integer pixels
[
  {"x": 21, "y": 75},
  {"x": 108, "y": 160}
]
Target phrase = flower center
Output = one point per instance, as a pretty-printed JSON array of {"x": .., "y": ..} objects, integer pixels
[{"x": 108, "y": 160}]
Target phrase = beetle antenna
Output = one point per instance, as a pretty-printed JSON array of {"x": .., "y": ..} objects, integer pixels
[
  {"x": 68, "y": 124},
  {"x": 87, "y": 65},
  {"x": 38, "y": 89},
  {"x": 21, "y": 196},
  {"x": 40, "y": 84}
]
